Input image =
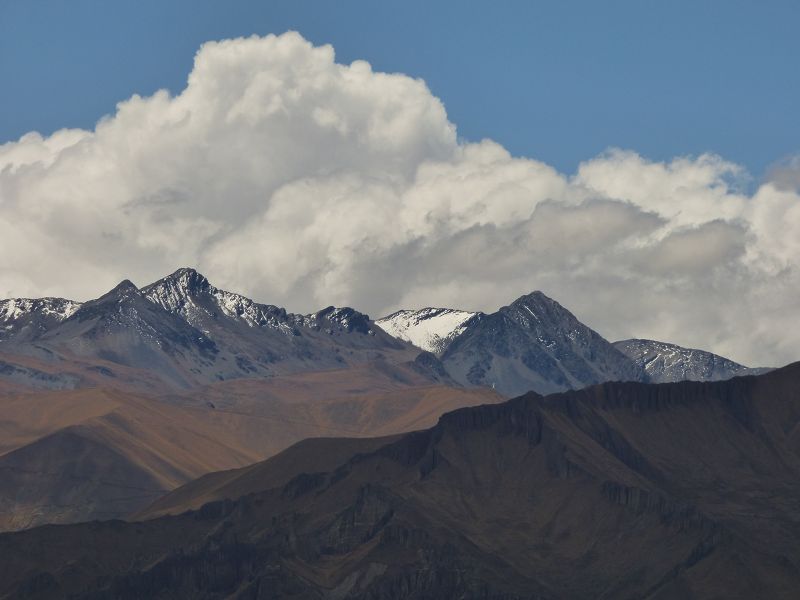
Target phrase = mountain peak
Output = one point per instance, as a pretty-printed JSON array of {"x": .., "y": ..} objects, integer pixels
[
  {"x": 343, "y": 319},
  {"x": 25, "y": 319},
  {"x": 535, "y": 343},
  {"x": 59, "y": 308},
  {"x": 177, "y": 289},
  {"x": 188, "y": 279},
  {"x": 535, "y": 297},
  {"x": 124, "y": 288},
  {"x": 189, "y": 294},
  {"x": 536, "y": 310}
]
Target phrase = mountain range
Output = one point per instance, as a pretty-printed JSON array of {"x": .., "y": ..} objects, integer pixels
[
  {"x": 187, "y": 332},
  {"x": 537, "y": 344},
  {"x": 108, "y": 404},
  {"x": 619, "y": 490}
]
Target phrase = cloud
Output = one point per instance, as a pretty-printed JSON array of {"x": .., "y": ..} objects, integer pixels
[
  {"x": 785, "y": 175},
  {"x": 303, "y": 182}
]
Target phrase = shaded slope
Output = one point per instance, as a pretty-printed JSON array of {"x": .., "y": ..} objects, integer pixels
[
  {"x": 261, "y": 339},
  {"x": 99, "y": 454},
  {"x": 622, "y": 490},
  {"x": 66, "y": 456},
  {"x": 124, "y": 327},
  {"x": 69, "y": 476},
  {"x": 665, "y": 363},
  {"x": 42, "y": 369},
  {"x": 310, "y": 455},
  {"x": 186, "y": 332}
]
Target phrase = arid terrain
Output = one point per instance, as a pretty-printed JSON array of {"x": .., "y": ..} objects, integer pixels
[{"x": 682, "y": 490}]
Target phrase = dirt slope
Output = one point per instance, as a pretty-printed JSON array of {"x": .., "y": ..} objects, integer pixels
[{"x": 74, "y": 455}]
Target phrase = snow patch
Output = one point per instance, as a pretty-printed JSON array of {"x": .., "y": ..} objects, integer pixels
[
  {"x": 432, "y": 329},
  {"x": 16, "y": 308}
]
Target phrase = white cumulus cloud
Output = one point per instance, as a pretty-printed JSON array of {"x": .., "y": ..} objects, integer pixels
[{"x": 284, "y": 175}]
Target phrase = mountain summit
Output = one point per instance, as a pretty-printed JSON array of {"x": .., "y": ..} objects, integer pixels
[
  {"x": 124, "y": 327},
  {"x": 189, "y": 294},
  {"x": 532, "y": 344}
]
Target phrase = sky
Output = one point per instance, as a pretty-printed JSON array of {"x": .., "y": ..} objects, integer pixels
[
  {"x": 636, "y": 161},
  {"x": 559, "y": 81}
]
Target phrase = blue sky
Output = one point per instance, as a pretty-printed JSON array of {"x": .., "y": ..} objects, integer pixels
[{"x": 558, "y": 81}]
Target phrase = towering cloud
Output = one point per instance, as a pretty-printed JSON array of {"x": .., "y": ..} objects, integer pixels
[{"x": 304, "y": 182}]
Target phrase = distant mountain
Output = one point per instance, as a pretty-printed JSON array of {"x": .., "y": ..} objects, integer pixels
[
  {"x": 621, "y": 490},
  {"x": 25, "y": 319},
  {"x": 191, "y": 333},
  {"x": 432, "y": 329},
  {"x": 107, "y": 404},
  {"x": 264, "y": 340},
  {"x": 666, "y": 363},
  {"x": 534, "y": 344},
  {"x": 124, "y": 327},
  {"x": 190, "y": 295}
]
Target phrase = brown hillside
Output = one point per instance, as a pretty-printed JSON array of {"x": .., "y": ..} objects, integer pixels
[
  {"x": 622, "y": 490},
  {"x": 93, "y": 453}
]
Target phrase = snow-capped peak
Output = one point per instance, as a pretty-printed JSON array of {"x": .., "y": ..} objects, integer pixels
[
  {"x": 189, "y": 294},
  {"x": 56, "y": 308},
  {"x": 24, "y": 319},
  {"x": 432, "y": 329},
  {"x": 175, "y": 292}
]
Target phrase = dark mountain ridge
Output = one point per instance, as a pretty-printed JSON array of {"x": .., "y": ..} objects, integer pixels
[{"x": 620, "y": 490}]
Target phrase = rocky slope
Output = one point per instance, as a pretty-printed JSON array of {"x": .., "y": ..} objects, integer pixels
[
  {"x": 537, "y": 344},
  {"x": 124, "y": 327},
  {"x": 534, "y": 344},
  {"x": 664, "y": 363},
  {"x": 622, "y": 490},
  {"x": 25, "y": 319},
  {"x": 189, "y": 333},
  {"x": 98, "y": 453}
]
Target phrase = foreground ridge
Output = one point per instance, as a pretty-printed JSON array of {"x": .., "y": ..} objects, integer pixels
[{"x": 597, "y": 492}]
